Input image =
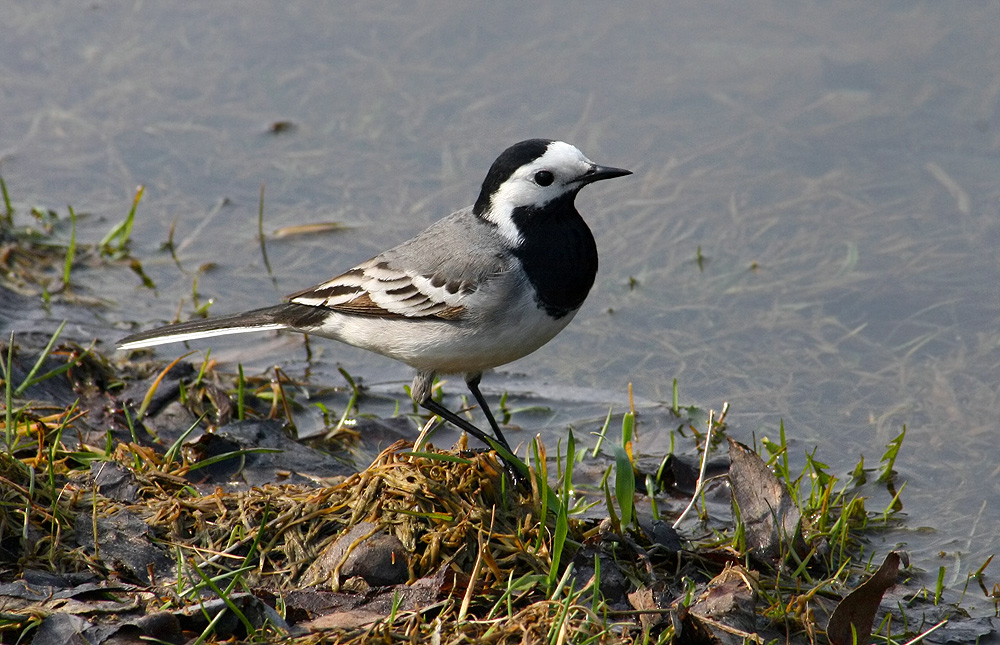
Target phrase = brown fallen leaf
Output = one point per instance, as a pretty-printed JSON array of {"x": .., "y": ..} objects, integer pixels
[
  {"x": 644, "y": 599},
  {"x": 345, "y": 620},
  {"x": 853, "y": 618},
  {"x": 770, "y": 517},
  {"x": 730, "y": 598}
]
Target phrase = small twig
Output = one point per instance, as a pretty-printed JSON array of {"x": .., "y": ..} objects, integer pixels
[{"x": 704, "y": 462}]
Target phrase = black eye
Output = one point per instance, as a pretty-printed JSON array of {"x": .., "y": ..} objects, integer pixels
[{"x": 544, "y": 178}]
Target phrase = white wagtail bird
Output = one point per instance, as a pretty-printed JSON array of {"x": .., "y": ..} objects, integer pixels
[{"x": 486, "y": 285}]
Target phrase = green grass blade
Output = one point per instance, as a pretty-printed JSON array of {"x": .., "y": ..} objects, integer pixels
[
  {"x": 260, "y": 233},
  {"x": 175, "y": 447},
  {"x": 8, "y": 389},
  {"x": 8, "y": 209},
  {"x": 889, "y": 458},
  {"x": 558, "y": 544},
  {"x": 603, "y": 433},
  {"x": 251, "y": 553},
  {"x": 240, "y": 393},
  {"x": 567, "y": 486},
  {"x": 29, "y": 380},
  {"x": 70, "y": 249},
  {"x": 231, "y": 455},
  {"x": 624, "y": 485},
  {"x": 628, "y": 431},
  {"x": 225, "y": 598}
]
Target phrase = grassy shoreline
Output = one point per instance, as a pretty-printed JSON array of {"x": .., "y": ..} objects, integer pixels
[{"x": 138, "y": 498}]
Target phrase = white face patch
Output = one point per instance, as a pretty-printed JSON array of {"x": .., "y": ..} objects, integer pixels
[{"x": 566, "y": 165}]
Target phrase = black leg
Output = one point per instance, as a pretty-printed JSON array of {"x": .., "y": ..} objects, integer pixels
[
  {"x": 517, "y": 474},
  {"x": 473, "y": 383},
  {"x": 449, "y": 416}
]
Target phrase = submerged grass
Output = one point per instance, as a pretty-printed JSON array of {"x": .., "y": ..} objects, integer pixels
[{"x": 38, "y": 258}]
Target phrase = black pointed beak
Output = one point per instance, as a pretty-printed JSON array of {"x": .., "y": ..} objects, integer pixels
[{"x": 597, "y": 173}]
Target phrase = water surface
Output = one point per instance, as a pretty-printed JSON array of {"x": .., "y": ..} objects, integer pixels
[{"x": 811, "y": 232}]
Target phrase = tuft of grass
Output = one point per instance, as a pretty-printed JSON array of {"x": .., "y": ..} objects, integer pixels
[
  {"x": 38, "y": 258},
  {"x": 115, "y": 242}
]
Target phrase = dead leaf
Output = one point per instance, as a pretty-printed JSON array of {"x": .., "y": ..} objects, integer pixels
[
  {"x": 853, "y": 618},
  {"x": 731, "y": 598},
  {"x": 644, "y": 599},
  {"x": 770, "y": 517},
  {"x": 123, "y": 543},
  {"x": 345, "y": 620}
]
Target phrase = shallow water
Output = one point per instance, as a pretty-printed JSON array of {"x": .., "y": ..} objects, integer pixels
[{"x": 834, "y": 166}]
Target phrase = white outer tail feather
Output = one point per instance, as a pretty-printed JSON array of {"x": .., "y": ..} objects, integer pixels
[{"x": 167, "y": 337}]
